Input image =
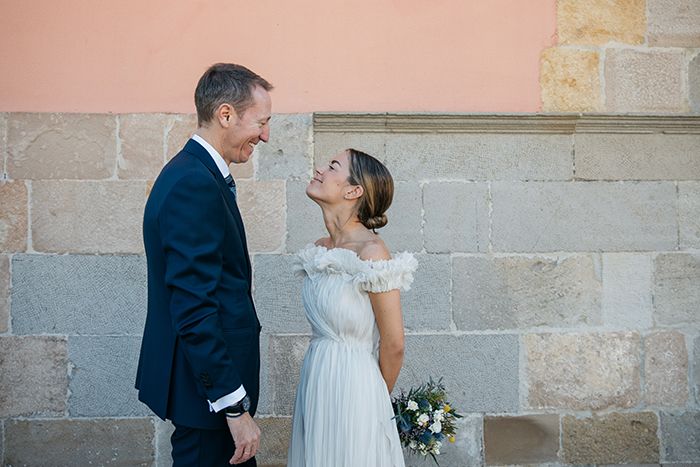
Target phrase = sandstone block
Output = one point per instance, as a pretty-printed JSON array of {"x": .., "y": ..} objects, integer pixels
[
  {"x": 304, "y": 219},
  {"x": 163, "y": 432},
  {"x": 13, "y": 216},
  {"x": 456, "y": 217},
  {"x": 266, "y": 392},
  {"x": 618, "y": 438},
  {"x": 674, "y": 23},
  {"x": 180, "y": 128},
  {"x": 577, "y": 216},
  {"x": 3, "y": 144},
  {"x": 569, "y": 80},
  {"x": 289, "y": 153},
  {"x": 4, "y": 293},
  {"x": 404, "y": 232},
  {"x": 326, "y": 145},
  {"x": 61, "y": 146},
  {"x": 521, "y": 440},
  {"x": 696, "y": 369},
  {"x": 262, "y": 206},
  {"x": 274, "y": 440},
  {"x": 66, "y": 442},
  {"x": 582, "y": 371},
  {"x": 521, "y": 293},
  {"x": 34, "y": 376},
  {"x": 142, "y": 145},
  {"x": 286, "y": 356},
  {"x": 644, "y": 81},
  {"x": 278, "y": 294},
  {"x": 665, "y": 369},
  {"x": 689, "y": 214},
  {"x": 694, "y": 83},
  {"x": 627, "y": 301},
  {"x": 676, "y": 295},
  {"x": 78, "y": 294},
  {"x": 600, "y": 21},
  {"x": 680, "y": 437},
  {"x": 467, "y": 449},
  {"x": 427, "y": 305}
]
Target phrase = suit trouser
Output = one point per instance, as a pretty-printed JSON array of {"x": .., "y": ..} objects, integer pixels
[{"x": 194, "y": 447}]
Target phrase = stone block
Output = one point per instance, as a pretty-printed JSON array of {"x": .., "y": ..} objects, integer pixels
[
  {"x": 61, "y": 146},
  {"x": 286, "y": 356},
  {"x": 262, "y": 206},
  {"x": 617, "y": 438},
  {"x": 163, "y": 447},
  {"x": 142, "y": 145},
  {"x": 289, "y": 153},
  {"x": 598, "y": 22},
  {"x": 627, "y": 301},
  {"x": 326, "y": 145},
  {"x": 582, "y": 371},
  {"x": 180, "y": 128},
  {"x": 3, "y": 149},
  {"x": 103, "y": 375},
  {"x": 424, "y": 157},
  {"x": 689, "y": 214},
  {"x": 4, "y": 293},
  {"x": 34, "y": 376},
  {"x": 674, "y": 23},
  {"x": 665, "y": 369},
  {"x": 278, "y": 294},
  {"x": 265, "y": 399},
  {"x": 274, "y": 440},
  {"x": 66, "y": 442},
  {"x": 427, "y": 306},
  {"x": 404, "y": 232},
  {"x": 13, "y": 216},
  {"x": 570, "y": 81},
  {"x": 639, "y": 157},
  {"x": 456, "y": 217},
  {"x": 467, "y": 449},
  {"x": 579, "y": 216},
  {"x": 680, "y": 437},
  {"x": 696, "y": 369},
  {"x": 520, "y": 293},
  {"x": 304, "y": 218},
  {"x": 528, "y": 439},
  {"x": 88, "y": 217},
  {"x": 78, "y": 294},
  {"x": 649, "y": 81},
  {"x": 480, "y": 372},
  {"x": 676, "y": 291},
  {"x": 694, "y": 83}
]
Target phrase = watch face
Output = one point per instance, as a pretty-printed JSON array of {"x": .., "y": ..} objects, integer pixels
[{"x": 246, "y": 403}]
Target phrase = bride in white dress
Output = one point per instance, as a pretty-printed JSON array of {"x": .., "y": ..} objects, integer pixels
[{"x": 343, "y": 414}]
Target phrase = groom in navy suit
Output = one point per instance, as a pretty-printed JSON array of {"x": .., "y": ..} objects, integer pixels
[{"x": 200, "y": 357}]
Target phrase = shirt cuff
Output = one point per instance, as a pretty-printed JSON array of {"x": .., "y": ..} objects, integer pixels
[{"x": 229, "y": 399}]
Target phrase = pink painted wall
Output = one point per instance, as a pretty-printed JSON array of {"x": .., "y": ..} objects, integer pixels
[{"x": 337, "y": 55}]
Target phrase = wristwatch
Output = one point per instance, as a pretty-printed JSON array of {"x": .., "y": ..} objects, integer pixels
[{"x": 238, "y": 409}]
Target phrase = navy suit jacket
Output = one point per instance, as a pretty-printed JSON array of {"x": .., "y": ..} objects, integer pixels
[{"x": 201, "y": 338}]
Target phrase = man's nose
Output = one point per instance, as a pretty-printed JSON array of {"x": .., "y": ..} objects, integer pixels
[{"x": 265, "y": 135}]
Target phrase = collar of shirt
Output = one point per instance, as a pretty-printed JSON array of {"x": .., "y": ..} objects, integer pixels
[{"x": 218, "y": 160}]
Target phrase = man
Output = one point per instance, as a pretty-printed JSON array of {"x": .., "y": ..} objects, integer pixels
[{"x": 200, "y": 357}]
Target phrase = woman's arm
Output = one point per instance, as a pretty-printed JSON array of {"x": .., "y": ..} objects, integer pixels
[{"x": 387, "y": 313}]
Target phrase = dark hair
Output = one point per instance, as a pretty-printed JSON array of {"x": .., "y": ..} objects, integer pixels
[
  {"x": 378, "y": 186},
  {"x": 226, "y": 83}
]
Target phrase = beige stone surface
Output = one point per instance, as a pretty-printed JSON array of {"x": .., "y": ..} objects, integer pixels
[
  {"x": 649, "y": 81},
  {"x": 274, "y": 440},
  {"x": 4, "y": 292},
  {"x": 675, "y": 289},
  {"x": 61, "y": 146},
  {"x": 88, "y": 217},
  {"x": 674, "y": 23},
  {"x": 326, "y": 145},
  {"x": 3, "y": 142},
  {"x": 521, "y": 440},
  {"x": 582, "y": 371},
  {"x": 596, "y": 22},
  {"x": 569, "y": 80},
  {"x": 689, "y": 214},
  {"x": 142, "y": 147},
  {"x": 665, "y": 369},
  {"x": 34, "y": 376},
  {"x": 179, "y": 130},
  {"x": 13, "y": 216},
  {"x": 262, "y": 206},
  {"x": 163, "y": 431},
  {"x": 694, "y": 83}
]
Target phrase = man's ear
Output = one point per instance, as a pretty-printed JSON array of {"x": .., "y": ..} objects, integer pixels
[
  {"x": 225, "y": 114},
  {"x": 354, "y": 192}
]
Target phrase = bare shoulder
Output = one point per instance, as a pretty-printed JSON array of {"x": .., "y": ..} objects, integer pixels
[
  {"x": 375, "y": 249},
  {"x": 324, "y": 242}
]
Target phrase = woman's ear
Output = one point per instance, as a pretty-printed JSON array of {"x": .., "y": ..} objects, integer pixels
[{"x": 354, "y": 192}]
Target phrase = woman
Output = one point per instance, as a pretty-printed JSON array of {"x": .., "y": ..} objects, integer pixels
[{"x": 343, "y": 414}]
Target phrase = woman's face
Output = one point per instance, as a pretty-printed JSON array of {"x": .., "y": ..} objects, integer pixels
[{"x": 330, "y": 183}]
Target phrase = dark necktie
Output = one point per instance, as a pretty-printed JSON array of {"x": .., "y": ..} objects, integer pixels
[{"x": 231, "y": 184}]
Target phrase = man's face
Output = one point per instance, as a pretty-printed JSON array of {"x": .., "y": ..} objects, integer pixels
[{"x": 247, "y": 130}]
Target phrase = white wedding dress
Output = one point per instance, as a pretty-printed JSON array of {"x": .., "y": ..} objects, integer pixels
[{"x": 343, "y": 414}]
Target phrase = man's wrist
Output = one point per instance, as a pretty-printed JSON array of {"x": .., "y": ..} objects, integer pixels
[{"x": 238, "y": 409}]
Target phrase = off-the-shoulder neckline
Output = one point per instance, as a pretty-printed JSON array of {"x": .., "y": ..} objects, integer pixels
[{"x": 312, "y": 246}]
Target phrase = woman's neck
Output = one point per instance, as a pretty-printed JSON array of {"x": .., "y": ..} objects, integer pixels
[{"x": 343, "y": 226}]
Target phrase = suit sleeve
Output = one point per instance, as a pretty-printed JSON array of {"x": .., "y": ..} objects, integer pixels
[{"x": 192, "y": 223}]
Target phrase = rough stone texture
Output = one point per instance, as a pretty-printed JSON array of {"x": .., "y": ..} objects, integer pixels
[
  {"x": 304, "y": 218},
  {"x": 582, "y": 371},
  {"x": 289, "y": 152},
  {"x": 696, "y": 369},
  {"x": 480, "y": 373},
  {"x": 327, "y": 145},
  {"x": 78, "y": 294},
  {"x": 456, "y": 217},
  {"x": 180, "y": 128},
  {"x": 108, "y": 442},
  {"x": 665, "y": 369},
  {"x": 674, "y": 23},
  {"x": 680, "y": 437},
  {"x": 404, "y": 232},
  {"x": 689, "y": 214},
  {"x": 265, "y": 400},
  {"x": 274, "y": 440},
  {"x": 163, "y": 431},
  {"x": 520, "y": 293},
  {"x": 479, "y": 157},
  {"x": 94, "y": 390},
  {"x": 262, "y": 206},
  {"x": 87, "y": 217},
  {"x": 3, "y": 152},
  {"x": 644, "y": 157},
  {"x": 278, "y": 294},
  {"x": 61, "y": 146},
  {"x": 694, "y": 83},
  {"x": 618, "y": 438},
  {"x": 13, "y": 216},
  {"x": 521, "y": 440},
  {"x": 4, "y": 293},
  {"x": 597, "y": 22},
  {"x": 627, "y": 302},
  {"x": 644, "y": 81},
  {"x": 569, "y": 80},
  {"x": 286, "y": 356},
  {"x": 427, "y": 305},
  {"x": 582, "y": 216},
  {"x": 676, "y": 291},
  {"x": 34, "y": 376},
  {"x": 467, "y": 449},
  {"x": 141, "y": 136}
]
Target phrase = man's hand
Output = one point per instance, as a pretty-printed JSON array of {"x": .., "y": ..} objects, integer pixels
[{"x": 246, "y": 436}]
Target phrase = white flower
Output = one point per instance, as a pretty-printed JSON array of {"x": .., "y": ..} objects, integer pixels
[
  {"x": 436, "y": 447},
  {"x": 439, "y": 415},
  {"x": 423, "y": 419},
  {"x": 412, "y": 444},
  {"x": 436, "y": 427},
  {"x": 412, "y": 405}
]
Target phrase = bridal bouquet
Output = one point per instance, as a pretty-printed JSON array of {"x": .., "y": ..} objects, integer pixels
[{"x": 425, "y": 419}]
